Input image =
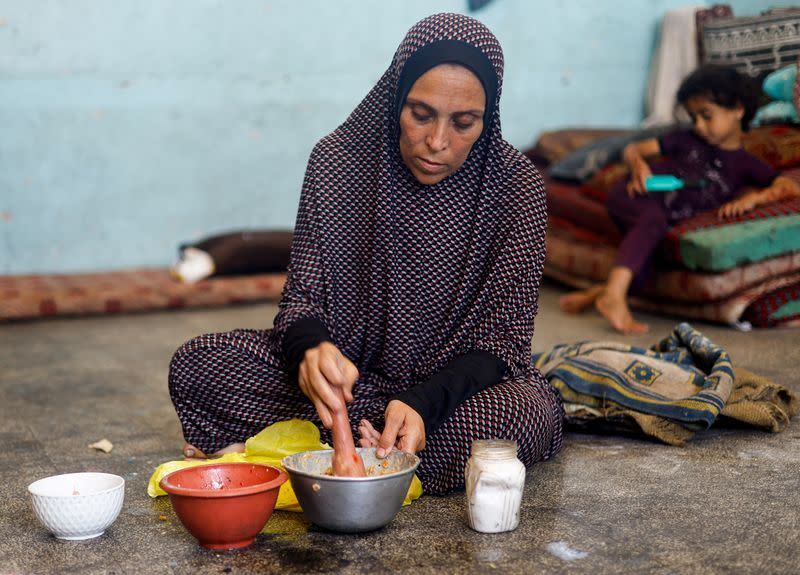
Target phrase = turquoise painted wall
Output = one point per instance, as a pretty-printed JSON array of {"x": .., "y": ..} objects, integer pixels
[{"x": 127, "y": 127}]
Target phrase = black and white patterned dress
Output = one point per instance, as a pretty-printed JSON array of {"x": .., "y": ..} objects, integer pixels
[{"x": 404, "y": 277}]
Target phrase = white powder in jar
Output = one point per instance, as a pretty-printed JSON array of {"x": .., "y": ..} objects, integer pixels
[{"x": 494, "y": 479}]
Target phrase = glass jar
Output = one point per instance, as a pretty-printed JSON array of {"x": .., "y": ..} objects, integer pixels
[{"x": 494, "y": 480}]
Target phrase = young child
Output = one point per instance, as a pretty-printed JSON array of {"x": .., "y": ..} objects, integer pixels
[{"x": 715, "y": 167}]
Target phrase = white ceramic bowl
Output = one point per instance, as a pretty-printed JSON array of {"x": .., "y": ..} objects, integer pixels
[{"x": 78, "y": 505}]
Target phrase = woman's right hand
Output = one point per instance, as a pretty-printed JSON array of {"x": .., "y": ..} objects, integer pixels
[{"x": 322, "y": 368}]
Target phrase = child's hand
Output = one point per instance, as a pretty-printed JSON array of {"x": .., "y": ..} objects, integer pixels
[
  {"x": 738, "y": 206},
  {"x": 634, "y": 155},
  {"x": 640, "y": 171}
]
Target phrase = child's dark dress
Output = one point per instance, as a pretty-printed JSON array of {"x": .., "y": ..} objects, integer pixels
[{"x": 645, "y": 219}]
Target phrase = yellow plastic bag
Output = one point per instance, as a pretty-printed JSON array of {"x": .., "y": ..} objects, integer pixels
[{"x": 269, "y": 447}]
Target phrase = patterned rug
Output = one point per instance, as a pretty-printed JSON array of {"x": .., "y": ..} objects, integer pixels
[{"x": 38, "y": 296}]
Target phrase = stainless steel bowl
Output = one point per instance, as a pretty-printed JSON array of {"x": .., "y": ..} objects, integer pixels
[{"x": 351, "y": 504}]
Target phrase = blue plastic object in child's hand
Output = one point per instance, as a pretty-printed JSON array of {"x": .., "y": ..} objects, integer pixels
[{"x": 663, "y": 183}]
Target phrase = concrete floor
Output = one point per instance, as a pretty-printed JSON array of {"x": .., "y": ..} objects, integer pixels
[{"x": 729, "y": 502}]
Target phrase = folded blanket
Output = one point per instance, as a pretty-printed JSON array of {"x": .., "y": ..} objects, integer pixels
[
  {"x": 684, "y": 378},
  {"x": 677, "y": 387},
  {"x": 760, "y": 402}
]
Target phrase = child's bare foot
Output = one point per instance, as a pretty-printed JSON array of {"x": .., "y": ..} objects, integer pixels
[
  {"x": 578, "y": 301},
  {"x": 191, "y": 452},
  {"x": 616, "y": 311}
]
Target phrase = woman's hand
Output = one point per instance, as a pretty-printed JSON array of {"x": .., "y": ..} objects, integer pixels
[
  {"x": 403, "y": 429},
  {"x": 322, "y": 368}
]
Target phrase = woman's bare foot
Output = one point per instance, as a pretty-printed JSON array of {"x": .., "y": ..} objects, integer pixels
[
  {"x": 191, "y": 452},
  {"x": 616, "y": 311},
  {"x": 578, "y": 301}
]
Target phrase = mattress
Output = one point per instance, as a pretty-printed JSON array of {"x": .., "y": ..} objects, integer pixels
[
  {"x": 37, "y": 296},
  {"x": 702, "y": 243}
]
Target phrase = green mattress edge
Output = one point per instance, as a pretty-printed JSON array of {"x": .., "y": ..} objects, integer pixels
[
  {"x": 726, "y": 247},
  {"x": 787, "y": 310}
]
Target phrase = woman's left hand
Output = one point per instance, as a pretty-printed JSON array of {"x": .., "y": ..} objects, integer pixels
[{"x": 403, "y": 429}]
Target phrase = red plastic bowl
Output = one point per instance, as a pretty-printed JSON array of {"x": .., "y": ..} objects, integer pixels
[{"x": 224, "y": 505}]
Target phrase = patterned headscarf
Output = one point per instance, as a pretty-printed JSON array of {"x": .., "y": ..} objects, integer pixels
[{"x": 407, "y": 276}]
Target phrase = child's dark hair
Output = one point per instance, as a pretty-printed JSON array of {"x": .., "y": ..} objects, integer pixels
[{"x": 725, "y": 87}]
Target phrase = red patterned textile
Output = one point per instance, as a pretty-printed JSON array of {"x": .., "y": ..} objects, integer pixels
[
  {"x": 567, "y": 202},
  {"x": 599, "y": 185},
  {"x": 761, "y": 312},
  {"x": 778, "y": 146},
  {"x": 37, "y": 296}
]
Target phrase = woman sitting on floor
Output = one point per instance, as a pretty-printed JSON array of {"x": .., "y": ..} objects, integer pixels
[{"x": 413, "y": 280}]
